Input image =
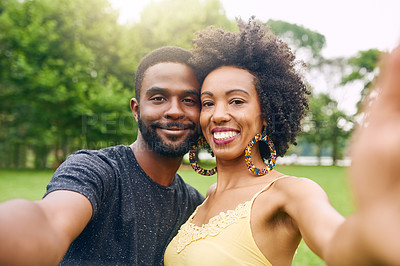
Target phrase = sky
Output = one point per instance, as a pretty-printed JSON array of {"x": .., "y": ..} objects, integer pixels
[{"x": 349, "y": 26}]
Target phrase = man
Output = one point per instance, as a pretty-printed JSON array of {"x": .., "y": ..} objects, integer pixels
[{"x": 120, "y": 205}]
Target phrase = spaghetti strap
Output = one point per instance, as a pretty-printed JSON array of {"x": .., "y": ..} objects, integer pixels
[{"x": 265, "y": 188}]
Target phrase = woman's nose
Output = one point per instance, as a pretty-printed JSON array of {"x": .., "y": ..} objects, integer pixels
[{"x": 220, "y": 114}]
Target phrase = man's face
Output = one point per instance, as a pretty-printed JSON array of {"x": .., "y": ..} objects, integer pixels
[{"x": 169, "y": 109}]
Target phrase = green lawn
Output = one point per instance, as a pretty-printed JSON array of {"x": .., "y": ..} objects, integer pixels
[
  {"x": 27, "y": 184},
  {"x": 31, "y": 184}
]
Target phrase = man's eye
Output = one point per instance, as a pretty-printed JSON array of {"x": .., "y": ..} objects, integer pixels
[
  {"x": 157, "y": 99},
  {"x": 188, "y": 100}
]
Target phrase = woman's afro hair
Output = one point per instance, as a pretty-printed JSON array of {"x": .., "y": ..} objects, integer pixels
[{"x": 282, "y": 93}]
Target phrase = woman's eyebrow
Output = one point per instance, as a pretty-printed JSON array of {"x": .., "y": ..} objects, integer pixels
[
  {"x": 206, "y": 93},
  {"x": 236, "y": 90},
  {"x": 227, "y": 93}
]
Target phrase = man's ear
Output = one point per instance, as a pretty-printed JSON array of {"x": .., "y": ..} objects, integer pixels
[{"x": 135, "y": 108}]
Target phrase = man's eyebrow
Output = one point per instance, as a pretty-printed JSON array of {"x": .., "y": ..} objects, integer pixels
[
  {"x": 155, "y": 90},
  {"x": 194, "y": 92}
]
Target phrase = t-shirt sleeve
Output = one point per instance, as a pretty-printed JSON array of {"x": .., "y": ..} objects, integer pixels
[
  {"x": 197, "y": 197},
  {"x": 86, "y": 173}
]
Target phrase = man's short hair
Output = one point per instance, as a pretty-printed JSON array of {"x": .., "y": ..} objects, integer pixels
[{"x": 166, "y": 54}]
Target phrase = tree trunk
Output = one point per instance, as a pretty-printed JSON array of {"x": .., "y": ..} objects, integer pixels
[{"x": 335, "y": 150}]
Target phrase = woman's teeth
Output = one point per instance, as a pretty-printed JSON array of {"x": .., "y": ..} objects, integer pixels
[{"x": 224, "y": 135}]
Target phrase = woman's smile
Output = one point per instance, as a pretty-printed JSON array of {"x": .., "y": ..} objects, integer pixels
[{"x": 223, "y": 135}]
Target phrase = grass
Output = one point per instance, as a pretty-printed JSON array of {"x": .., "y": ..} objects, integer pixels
[
  {"x": 31, "y": 184},
  {"x": 23, "y": 183}
]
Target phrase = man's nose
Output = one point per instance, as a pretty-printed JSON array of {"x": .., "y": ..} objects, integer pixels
[{"x": 175, "y": 110}]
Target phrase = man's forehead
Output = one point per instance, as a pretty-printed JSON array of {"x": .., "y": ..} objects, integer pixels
[
  {"x": 165, "y": 65},
  {"x": 169, "y": 75}
]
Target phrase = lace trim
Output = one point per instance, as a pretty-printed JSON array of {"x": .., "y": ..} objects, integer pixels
[{"x": 190, "y": 232}]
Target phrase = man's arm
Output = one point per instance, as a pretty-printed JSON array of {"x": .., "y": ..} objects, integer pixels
[{"x": 40, "y": 232}]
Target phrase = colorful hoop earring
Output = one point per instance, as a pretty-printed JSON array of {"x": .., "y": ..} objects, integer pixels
[
  {"x": 249, "y": 163},
  {"x": 201, "y": 142}
]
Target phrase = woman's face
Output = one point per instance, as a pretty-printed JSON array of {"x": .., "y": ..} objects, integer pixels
[{"x": 230, "y": 116}]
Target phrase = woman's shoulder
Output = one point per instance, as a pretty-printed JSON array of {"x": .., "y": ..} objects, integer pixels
[
  {"x": 211, "y": 189},
  {"x": 303, "y": 187}
]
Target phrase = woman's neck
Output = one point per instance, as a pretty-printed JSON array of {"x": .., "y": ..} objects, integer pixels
[{"x": 234, "y": 173}]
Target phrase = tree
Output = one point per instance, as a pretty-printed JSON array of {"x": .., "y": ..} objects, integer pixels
[
  {"x": 58, "y": 58},
  {"x": 326, "y": 126},
  {"x": 302, "y": 40},
  {"x": 174, "y": 22},
  {"x": 365, "y": 68}
]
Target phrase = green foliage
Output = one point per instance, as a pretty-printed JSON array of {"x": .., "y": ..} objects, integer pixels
[
  {"x": 300, "y": 38},
  {"x": 174, "y": 22},
  {"x": 364, "y": 68},
  {"x": 61, "y": 60},
  {"x": 326, "y": 125}
]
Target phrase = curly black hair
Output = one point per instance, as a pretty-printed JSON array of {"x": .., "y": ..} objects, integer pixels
[{"x": 282, "y": 93}]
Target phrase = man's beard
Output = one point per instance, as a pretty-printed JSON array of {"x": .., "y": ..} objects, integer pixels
[{"x": 155, "y": 142}]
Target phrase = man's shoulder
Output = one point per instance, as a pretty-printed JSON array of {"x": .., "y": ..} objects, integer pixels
[
  {"x": 111, "y": 151},
  {"x": 192, "y": 192},
  {"x": 105, "y": 154}
]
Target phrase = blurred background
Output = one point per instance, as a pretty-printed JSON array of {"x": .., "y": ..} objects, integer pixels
[{"x": 67, "y": 67}]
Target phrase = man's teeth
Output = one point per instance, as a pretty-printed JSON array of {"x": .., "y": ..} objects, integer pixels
[{"x": 224, "y": 135}]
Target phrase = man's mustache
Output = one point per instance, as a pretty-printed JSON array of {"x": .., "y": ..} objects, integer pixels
[{"x": 173, "y": 125}]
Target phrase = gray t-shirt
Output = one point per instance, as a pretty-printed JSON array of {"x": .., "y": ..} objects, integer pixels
[{"x": 134, "y": 218}]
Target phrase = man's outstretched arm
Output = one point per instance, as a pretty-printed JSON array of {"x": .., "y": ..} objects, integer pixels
[{"x": 40, "y": 232}]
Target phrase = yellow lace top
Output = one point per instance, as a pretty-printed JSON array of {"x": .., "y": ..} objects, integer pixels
[{"x": 225, "y": 240}]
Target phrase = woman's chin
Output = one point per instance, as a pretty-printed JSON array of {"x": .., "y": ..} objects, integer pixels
[{"x": 228, "y": 155}]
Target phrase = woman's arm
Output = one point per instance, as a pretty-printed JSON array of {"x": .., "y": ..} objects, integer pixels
[
  {"x": 372, "y": 235},
  {"x": 308, "y": 205}
]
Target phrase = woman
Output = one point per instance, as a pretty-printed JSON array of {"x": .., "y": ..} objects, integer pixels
[{"x": 252, "y": 100}]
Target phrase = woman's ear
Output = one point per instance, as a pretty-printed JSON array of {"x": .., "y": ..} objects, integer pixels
[
  {"x": 135, "y": 108},
  {"x": 264, "y": 122}
]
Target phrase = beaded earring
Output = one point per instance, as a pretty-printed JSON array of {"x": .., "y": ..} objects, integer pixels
[
  {"x": 201, "y": 142},
  {"x": 250, "y": 165}
]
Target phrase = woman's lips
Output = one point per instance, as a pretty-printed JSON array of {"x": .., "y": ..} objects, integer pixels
[{"x": 223, "y": 136}]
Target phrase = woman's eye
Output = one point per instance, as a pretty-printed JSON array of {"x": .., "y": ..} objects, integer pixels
[
  {"x": 237, "y": 102},
  {"x": 207, "y": 104}
]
